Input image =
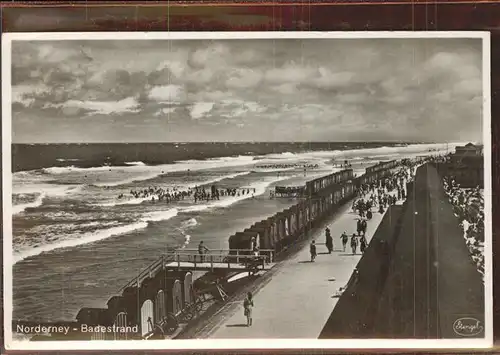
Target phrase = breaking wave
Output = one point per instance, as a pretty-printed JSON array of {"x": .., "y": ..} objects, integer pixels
[
  {"x": 16, "y": 209},
  {"x": 83, "y": 239},
  {"x": 91, "y": 237},
  {"x": 160, "y": 215},
  {"x": 192, "y": 222}
]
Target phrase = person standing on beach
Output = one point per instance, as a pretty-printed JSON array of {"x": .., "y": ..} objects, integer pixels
[
  {"x": 312, "y": 250},
  {"x": 247, "y": 306},
  {"x": 202, "y": 249}
]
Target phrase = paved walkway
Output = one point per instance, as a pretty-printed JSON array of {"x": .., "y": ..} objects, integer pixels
[{"x": 297, "y": 301}]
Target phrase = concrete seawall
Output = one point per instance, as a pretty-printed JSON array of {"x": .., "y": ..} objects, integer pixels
[{"x": 425, "y": 285}]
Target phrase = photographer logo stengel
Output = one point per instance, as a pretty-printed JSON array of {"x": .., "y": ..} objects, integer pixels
[{"x": 467, "y": 327}]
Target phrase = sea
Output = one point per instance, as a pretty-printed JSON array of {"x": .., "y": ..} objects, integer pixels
[{"x": 75, "y": 243}]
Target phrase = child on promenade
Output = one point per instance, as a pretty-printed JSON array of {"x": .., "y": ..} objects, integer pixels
[
  {"x": 248, "y": 305},
  {"x": 312, "y": 250}
]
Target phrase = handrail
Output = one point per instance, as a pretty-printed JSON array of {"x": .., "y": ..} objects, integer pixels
[
  {"x": 268, "y": 253},
  {"x": 173, "y": 256},
  {"x": 148, "y": 270}
]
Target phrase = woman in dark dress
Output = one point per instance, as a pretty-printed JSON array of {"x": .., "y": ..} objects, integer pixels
[
  {"x": 248, "y": 305},
  {"x": 354, "y": 244},
  {"x": 329, "y": 241},
  {"x": 362, "y": 244}
]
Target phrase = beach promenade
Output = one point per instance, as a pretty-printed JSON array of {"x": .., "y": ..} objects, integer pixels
[{"x": 298, "y": 299}]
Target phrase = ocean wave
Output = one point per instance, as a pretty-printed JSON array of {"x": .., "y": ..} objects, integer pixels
[
  {"x": 133, "y": 201},
  {"x": 160, "y": 215},
  {"x": 48, "y": 190},
  {"x": 60, "y": 215},
  {"x": 43, "y": 192},
  {"x": 86, "y": 238},
  {"x": 129, "y": 180},
  {"x": 180, "y": 165},
  {"x": 192, "y": 165},
  {"x": 190, "y": 223},
  {"x": 136, "y": 163},
  {"x": 217, "y": 179},
  {"x": 94, "y": 236},
  {"x": 16, "y": 209},
  {"x": 56, "y": 170}
]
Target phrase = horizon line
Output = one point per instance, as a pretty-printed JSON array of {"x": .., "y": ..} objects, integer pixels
[{"x": 246, "y": 142}]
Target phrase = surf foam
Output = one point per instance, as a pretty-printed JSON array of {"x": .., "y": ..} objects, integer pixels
[
  {"x": 16, "y": 209},
  {"x": 91, "y": 237}
]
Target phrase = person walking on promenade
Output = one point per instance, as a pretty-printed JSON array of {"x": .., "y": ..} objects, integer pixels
[
  {"x": 345, "y": 238},
  {"x": 381, "y": 209},
  {"x": 247, "y": 306},
  {"x": 329, "y": 240},
  {"x": 363, "y": 226},
  {"x": 363, "y": 244},
  {"x": 354, "y": 243},
  {"x": 312, "y": 250},
  {"x": 202, "y": 249}
]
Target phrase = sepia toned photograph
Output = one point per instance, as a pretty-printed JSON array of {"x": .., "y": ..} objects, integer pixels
[{"x": 208, "y": 190}]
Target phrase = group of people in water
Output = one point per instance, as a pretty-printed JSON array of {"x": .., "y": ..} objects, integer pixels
[
  {"x": 159, "y": 194},
  {"x": 198, "y": 193},
  {"x": 287, "y": 166}
]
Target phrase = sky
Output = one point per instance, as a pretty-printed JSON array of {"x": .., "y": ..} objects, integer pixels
[{"x": 247, "y": 90}]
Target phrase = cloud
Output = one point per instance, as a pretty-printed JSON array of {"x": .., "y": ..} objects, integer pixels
[
  {"x": 167, "y": 93},
  {"x": 166, "y": 111},
  {"x": 290, "y": 73},
  {"x": 200, "y": 109},
  {"x": 100, "y": 107},
  {"x": 244, "y": 78}
]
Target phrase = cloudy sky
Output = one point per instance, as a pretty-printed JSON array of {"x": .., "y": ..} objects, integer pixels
[{"x": 247, "y": 90}]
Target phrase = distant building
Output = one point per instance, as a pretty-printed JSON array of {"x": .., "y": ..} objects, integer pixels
[
  {"x": 466, "y": 165},
  {"x": 467, "y": 151}
]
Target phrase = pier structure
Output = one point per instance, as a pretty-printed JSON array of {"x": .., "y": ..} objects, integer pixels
[{"x": 167, "y": 295}]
